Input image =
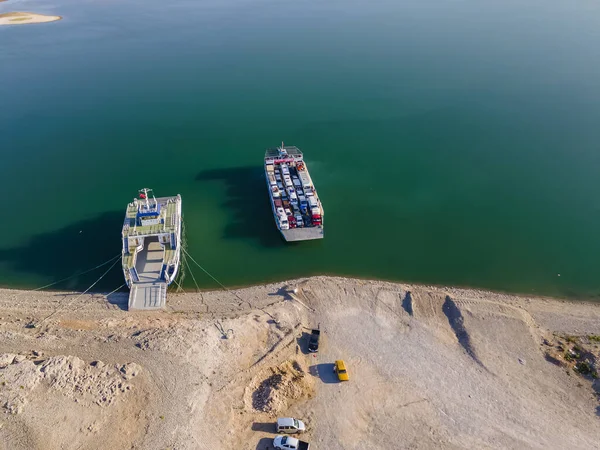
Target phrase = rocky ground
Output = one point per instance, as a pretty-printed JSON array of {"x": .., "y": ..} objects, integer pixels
[{"x": 429, "y": 367}]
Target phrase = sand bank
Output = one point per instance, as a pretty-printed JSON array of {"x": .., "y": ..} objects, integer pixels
[
  {"x": 20, "y": 18},
  {"x": 430, "y": 367}
]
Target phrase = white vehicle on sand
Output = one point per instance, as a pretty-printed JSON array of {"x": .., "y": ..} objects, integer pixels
[
  {"x": 289, "y": 443},
  {"x": 290, "y": 425}
]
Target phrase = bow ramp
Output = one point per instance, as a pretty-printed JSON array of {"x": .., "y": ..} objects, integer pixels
[{"x": 148, "y": 296}]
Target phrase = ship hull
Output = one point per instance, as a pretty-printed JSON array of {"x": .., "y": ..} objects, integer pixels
[{"x": 303, "y": 234}]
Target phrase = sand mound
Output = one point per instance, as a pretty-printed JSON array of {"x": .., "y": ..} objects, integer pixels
[
  {"x": 274, "y": 391},
  {"x": 95, "y": 383}
]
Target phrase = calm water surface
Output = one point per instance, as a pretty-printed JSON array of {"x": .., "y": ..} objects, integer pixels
[{"x": 451, "y": 142}]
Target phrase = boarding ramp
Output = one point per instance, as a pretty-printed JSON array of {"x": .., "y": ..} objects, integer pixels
[
  {"x": 150, "y": 260},
  {"x": 148, "y": 296},
  {"x": 150, "y": 292}
]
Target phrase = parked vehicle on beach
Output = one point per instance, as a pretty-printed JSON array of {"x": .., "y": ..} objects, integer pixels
[
  {"x": 313, "y": 341},
  {"x": 290, "y": 425},
  {"x": 340, "y": 368},
  {"x": 289, "y": 443}
]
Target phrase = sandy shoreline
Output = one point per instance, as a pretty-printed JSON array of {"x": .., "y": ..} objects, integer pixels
[
  {"x": 23, "y": 18},
  {"x": 430, "y": 367},
  {"x": 457, "y": 288}
]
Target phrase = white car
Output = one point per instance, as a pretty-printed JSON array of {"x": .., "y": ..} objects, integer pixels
[
  {"x": 290, "y": 425},
  {"x": 289, "y": 443}
]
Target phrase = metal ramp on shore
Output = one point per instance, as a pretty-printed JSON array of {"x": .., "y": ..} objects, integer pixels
[{"x": 148, "y": 296}]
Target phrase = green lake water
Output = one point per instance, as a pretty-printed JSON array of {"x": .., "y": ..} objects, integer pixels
[{"x": 454, "y": 143}]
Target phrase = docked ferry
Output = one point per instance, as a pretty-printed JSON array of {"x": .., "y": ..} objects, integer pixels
[
  {"x": 296, "y": 206},
  {"x": 151, "y": 251}
]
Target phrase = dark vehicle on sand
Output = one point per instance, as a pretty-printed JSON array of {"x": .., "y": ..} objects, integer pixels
[{"x": 313, "y": 341}]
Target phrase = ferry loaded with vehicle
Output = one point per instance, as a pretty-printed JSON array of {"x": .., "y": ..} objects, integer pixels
[
  {"x": 297, "y": 209},
  {"x": 151, "y": 248}
]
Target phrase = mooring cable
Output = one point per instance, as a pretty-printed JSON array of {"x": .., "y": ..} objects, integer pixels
[
  {"x": 83, "y": 293},
  {"x": 112, "y": 292},
  {"x": 72, "y": 276},
  {"x": 191, "y": 272},
  {"x": 227, "y": 289},
  {"x": 217, "y": 281}
]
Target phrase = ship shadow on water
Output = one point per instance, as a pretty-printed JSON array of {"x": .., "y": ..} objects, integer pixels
[
  {"x": 70, "y": 250},
  {"x": 247, "y": 202}
]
